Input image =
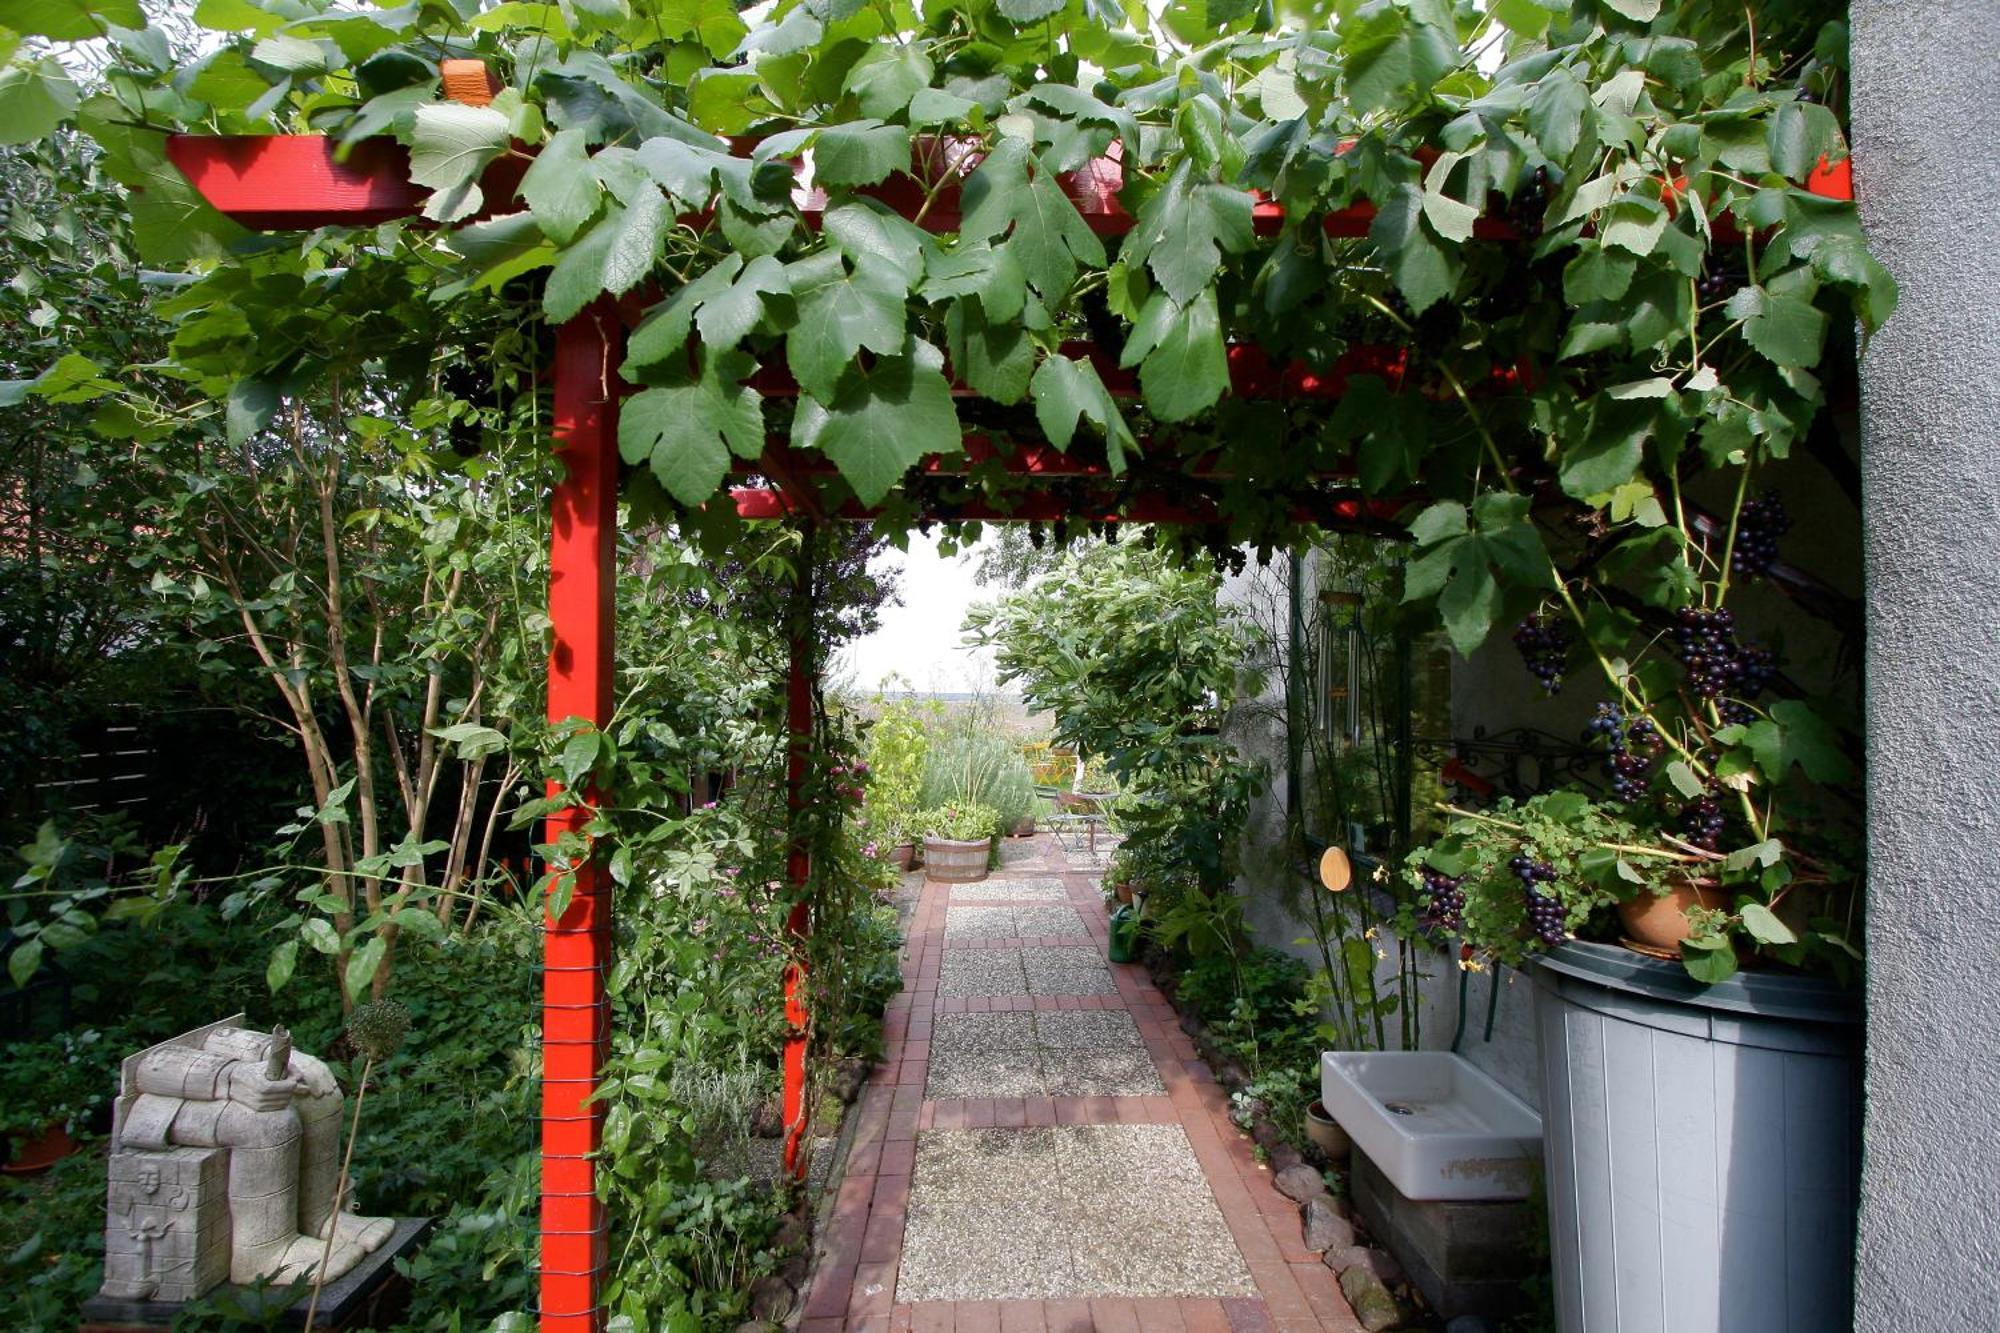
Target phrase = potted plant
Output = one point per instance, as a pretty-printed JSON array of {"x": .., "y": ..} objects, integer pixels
[
  {"x": 958, "y": 842},
  {"x": 49, "y": 1092},
  {"x": 902, "y": 845},
  {"x": 1121, "y": 874}
]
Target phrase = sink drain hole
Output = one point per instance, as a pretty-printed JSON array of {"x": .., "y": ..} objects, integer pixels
[{"x": 1397, "y": 1108}]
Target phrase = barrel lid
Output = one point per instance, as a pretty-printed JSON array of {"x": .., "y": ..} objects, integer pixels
[{"x": 1781, "y": 995}]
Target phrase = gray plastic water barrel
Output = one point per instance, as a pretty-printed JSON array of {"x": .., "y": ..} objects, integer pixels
[{"x": 1702, "y": 1146}]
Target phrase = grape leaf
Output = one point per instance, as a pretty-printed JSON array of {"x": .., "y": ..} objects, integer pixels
[
  {"x": 1185, "y": 229},
  {"x": 1765, "y": 927},
  {"x": 995, "y": 358},
  {"x": 840, "y": 313},
  {"x": 615, "y": 253},
  {"x": 868, "y": 230},
  {"x": 885, "y": 79},
  {"x": 1048, "y": 236},
  {"x": 1393, "y": 50},
  {"x": 1784, "y": 326},
  {"x": 1188, "y": 370},
  {"x": 35, "y": 96},
  {"x": 1425, "y": 271},
  {"x": 726, "y": 318},
  {"x": 70, "y": 20},
  {"x": 883, "y": 420},
  {"x": 665, "y": 329},
  {"x": 687, "y": 429},
  {"x": 559, "y": 187},
  {"x": 864, "y": 152},
  {"x": 981, "y": 271},
  {"x": 450, "y": 146},
  {"x": 1068, "y": 390}
]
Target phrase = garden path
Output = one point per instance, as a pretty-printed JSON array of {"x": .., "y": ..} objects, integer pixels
[{"x": 1042, "y": 1150}]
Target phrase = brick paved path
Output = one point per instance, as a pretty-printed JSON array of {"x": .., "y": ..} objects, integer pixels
[{"x": 1041, "y": 1150}]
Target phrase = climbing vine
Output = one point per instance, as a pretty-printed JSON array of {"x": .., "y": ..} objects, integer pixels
[{"x": 1603, "y": 247}]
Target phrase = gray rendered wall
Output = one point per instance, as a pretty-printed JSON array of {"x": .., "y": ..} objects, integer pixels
[{"x": 1926, "y": 79}]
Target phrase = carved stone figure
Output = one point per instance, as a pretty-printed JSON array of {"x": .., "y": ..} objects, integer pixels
[{"x": 225, "y": 1160}]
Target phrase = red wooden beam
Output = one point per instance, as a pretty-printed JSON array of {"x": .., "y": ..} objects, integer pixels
[
  {"x": 1349, "y": 512},
  {"x": 281, "y": 182},
  {"x": 576, "y": 1013},
  {"x": 798, "y": 870}
]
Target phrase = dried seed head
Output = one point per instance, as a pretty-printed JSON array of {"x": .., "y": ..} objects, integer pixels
[{"x": 376, "y": 1029}]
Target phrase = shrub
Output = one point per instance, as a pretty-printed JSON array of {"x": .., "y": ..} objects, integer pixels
[
  {"x": 965, "y": 768},
  {"x": 960, "y": 823}
]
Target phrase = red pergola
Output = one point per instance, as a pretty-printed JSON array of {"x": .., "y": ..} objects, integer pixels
[{"x": 297, "y": 182}]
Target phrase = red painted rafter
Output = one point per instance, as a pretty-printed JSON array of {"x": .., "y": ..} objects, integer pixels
[
  {"x": 1103, "y": 505},
  {"x": 282, "y": 182}
]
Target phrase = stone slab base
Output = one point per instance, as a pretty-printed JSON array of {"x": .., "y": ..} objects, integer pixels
[
  {"x": 371, "y": 1296},
  {"x": 1467, "y": 1258}
]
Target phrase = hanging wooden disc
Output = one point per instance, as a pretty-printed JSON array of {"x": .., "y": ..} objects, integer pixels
[{"x": 1335, "y": 870}]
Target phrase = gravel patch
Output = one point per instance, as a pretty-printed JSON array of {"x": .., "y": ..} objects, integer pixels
[
  {"x": 1154, "y": 1162},
  {"x": 979, "y": 923},
  {"x": 1126, "y": 1246},
  {"x": 1047, "y": 921},
  {"x": 1100, "y": 1074},
  {"x": 1011, "y": 890},
  {"x": 1065, "y": 972},
  {"x": 971, "y": 1165},
  {"x": 982, "y": 1074},
  {"x": 1085, "y": 1030},
  {"x": 955, "y": 1033},
  {"x": 967, "y": 1251},
  {"x": 972, "y": 972}
]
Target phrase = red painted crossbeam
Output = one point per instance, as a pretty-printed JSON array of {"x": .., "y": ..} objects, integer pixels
[
  {"x": 283, "y": 182},
  {"x": 1346, "y": 511}
]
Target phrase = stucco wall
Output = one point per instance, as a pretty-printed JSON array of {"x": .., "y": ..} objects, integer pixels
[{"x": 1926, "y": 77}]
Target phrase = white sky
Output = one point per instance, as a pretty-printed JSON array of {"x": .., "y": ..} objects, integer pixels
[{"x": 920, "y": 640}]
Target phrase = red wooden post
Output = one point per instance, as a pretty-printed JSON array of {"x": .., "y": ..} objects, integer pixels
[
  {"x": 798, "y": 866},
  {"x": 576, "y": 1016}
]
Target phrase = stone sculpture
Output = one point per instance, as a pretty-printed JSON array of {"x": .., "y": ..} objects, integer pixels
[{"x": 225, "y": 1161}]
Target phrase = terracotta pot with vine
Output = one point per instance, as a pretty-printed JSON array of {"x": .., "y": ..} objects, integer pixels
[{"x": 1655, "y": 924}]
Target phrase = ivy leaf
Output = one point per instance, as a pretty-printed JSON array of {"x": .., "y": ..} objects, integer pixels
[
  {"x": 1048, "y": 236},
  {"x": 1784, "y": 326},
  {"x": 70, "y": 20},
  {"x": 1187, "y": 372},
  {"x": 1185, "y": 229},
  {"x": 450, "y": 146},
  {"x": 35, "y": 96},
  {"x": 885, "y": 79},
  {"x": 840, "y": 313},
  {"x": 687, "y": 430},
  {"x": 883, "y": 420},
  {"x": 559, "y": 187},
  {"x": 862, "y": 153},
  {"x": 1069, "y": 390},
  {"x": 613, "y": 255}
]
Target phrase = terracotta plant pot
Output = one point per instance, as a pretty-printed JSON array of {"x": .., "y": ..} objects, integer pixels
[
  {"x": 1325, "y": 1133},
  {"x": 903, "y": 855},
  {"x": 1656, "y": 925},
  {"x": 1124, "y": 890},
  {"x": 1024, "y": 827},
  {"x": 955, "y": 862},
  {"x": 37, "y": 1151}
]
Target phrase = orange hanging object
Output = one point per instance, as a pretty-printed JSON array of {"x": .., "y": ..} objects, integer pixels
[{"x": 1336, "y": 872}]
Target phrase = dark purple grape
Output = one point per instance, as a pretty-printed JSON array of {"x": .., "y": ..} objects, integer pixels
[
  {"x": 1446, "y": 900},
  {"x": 1701, "y": 823},
  {"x": 1758, "y": 527},
  {"x": 1544, "y": 643}
]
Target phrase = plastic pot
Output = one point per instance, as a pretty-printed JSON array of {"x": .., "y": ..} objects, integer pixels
[
  {"x": 1702, "y": 1145},
  {"x": 1124, "y": 945}
]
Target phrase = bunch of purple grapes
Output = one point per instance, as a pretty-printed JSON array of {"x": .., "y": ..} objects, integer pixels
[
  {"x": 1530, "y": 204},
  {"x": 1705, "y": 638},
  {"x": 1701, "y": 823},
  {"x": 1447, "y": 900},
  {"x": 1758, "y": 527},
  {"x": 1545, "y": 914},
  {"x": 1632, "y": 748},
  {"x": 1544, "y": 643}
]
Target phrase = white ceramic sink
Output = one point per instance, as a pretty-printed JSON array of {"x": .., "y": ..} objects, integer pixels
[{"x": 1436, "y": 1126}]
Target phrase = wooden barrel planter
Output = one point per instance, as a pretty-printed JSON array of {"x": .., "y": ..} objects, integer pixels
[{"x": 956, "y": 862}]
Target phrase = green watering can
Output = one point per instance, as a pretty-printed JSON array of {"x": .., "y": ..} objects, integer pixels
[{"x": 1124, "y": 934}]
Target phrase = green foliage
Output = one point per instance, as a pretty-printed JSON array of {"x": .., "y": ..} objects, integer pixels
[
  {"x": 968, "y": 767},
  {"x": 958, "y": 822},
  {"x": 1137, "y": 662},
  {"x": 898, "y": 748}
]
